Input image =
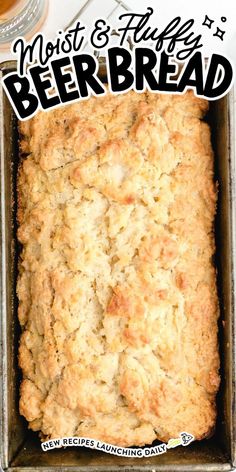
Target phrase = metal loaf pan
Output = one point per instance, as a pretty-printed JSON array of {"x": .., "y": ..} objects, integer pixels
[{"x": 20, "y": 449}]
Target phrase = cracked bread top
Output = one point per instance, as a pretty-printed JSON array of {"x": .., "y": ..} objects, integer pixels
[{"x": 117, "y": 291}]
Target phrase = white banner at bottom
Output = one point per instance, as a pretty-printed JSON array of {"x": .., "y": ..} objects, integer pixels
[{"x": 183, "y": 440}]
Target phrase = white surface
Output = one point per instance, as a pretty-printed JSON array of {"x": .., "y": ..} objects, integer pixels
[{"x": 61, "y": 13}]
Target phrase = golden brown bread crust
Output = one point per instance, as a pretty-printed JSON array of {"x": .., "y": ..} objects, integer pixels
[{"x": 117, "y": 291}]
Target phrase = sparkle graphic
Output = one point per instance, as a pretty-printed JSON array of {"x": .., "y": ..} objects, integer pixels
[
  {"x": 219, "y": 33},
  {"x": 207, "y": 22}
]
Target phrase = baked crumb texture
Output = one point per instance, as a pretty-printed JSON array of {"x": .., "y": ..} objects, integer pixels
[{"x": 117, "y": 290}]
